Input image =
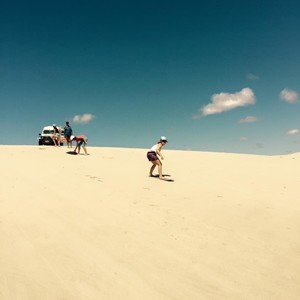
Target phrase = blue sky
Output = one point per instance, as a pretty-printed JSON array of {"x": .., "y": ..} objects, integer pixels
[{"x": 218, "y": 76}]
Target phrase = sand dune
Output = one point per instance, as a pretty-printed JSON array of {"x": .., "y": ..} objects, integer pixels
[{"x": 97, "y": 227}]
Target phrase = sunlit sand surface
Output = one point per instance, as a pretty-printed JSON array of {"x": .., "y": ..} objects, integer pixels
[{"x": 98, "y": 227}]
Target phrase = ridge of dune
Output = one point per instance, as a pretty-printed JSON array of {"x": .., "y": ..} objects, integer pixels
[{"x": 97, "y": 227}]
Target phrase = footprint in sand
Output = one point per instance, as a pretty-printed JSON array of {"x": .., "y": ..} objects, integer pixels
[{"x": 94, "y": 177}]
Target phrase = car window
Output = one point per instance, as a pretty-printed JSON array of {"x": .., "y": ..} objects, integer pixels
[{"x": 48, "y": 131}]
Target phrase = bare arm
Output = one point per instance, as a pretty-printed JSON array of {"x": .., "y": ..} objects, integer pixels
[{"x": 158, "y": 151}]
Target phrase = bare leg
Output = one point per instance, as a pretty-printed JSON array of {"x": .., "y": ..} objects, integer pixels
[
  {"x": 152, "y": 169},
  {"x": 160, "y": 170},
  {"x": 159, "y": 165},
  {"x": 54, "y": 141},
  {"x": 84, "y": 150}
]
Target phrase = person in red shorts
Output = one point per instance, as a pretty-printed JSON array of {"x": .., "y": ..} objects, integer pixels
[{"x": 81, "y": 140}]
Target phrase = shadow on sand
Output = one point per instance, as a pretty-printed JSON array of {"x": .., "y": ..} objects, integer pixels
[
  {"x": 75, "y": 153},
  {"x": 72, "y": 152},
  {"x": 165, "y": 179}
]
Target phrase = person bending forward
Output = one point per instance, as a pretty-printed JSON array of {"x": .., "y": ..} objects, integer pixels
[
  {"x": 81, "y": 140},
  {"x": 153, "y": 154}
]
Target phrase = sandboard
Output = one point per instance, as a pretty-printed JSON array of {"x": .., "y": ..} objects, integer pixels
[{"x": 166, "y": 177}]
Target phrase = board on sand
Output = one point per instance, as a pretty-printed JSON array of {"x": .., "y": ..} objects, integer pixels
[{"x": 166, "y": 177}]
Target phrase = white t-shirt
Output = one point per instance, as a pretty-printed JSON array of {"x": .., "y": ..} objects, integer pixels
[{"x": 154, "y": 148}]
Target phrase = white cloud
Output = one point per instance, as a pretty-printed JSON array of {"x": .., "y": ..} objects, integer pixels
[
  {"x": 289, "y": 96},
  {"x": 293, "y": 132},
  {"x": 83, "y": 119},
  {"x": 249, "y": 119},
  {"x": 252, "y": 77},
  {"x": 224, "y": 102}
]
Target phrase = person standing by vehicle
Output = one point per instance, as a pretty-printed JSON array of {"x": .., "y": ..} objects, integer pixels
[
  {"x": 67, "y": 133},
  {"x": 81, "y": 140},
  {"x": 153, "y": 154},
  {"x": 56, "y": 136}
]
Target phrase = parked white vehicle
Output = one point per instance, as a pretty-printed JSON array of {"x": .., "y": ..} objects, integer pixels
[{"x": 45, "y": 138}]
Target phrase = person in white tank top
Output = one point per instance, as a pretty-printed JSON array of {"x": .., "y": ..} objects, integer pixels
[
  {"x": 153, "y": 148},
  {"x": 153, "y": 154}
]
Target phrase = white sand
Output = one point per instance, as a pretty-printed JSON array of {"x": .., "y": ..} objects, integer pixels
[{"x": 97, "y": 227}]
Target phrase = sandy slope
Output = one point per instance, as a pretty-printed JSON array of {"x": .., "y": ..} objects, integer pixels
[{"x": 97, "y": 227}]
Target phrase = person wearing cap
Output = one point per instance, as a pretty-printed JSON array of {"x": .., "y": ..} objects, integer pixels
[
  {"x": 56, "y": 136},
  {"x": 81, "y": 140},
  {"x": 153, "y": 156}
]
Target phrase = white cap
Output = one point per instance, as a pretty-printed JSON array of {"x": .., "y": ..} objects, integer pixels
[
  {"x": 163, "y": 138},
  {"x": 72, "y": 137}
]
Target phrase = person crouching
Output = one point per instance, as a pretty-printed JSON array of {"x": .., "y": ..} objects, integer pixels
[{"x": 81, "y": 140}]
